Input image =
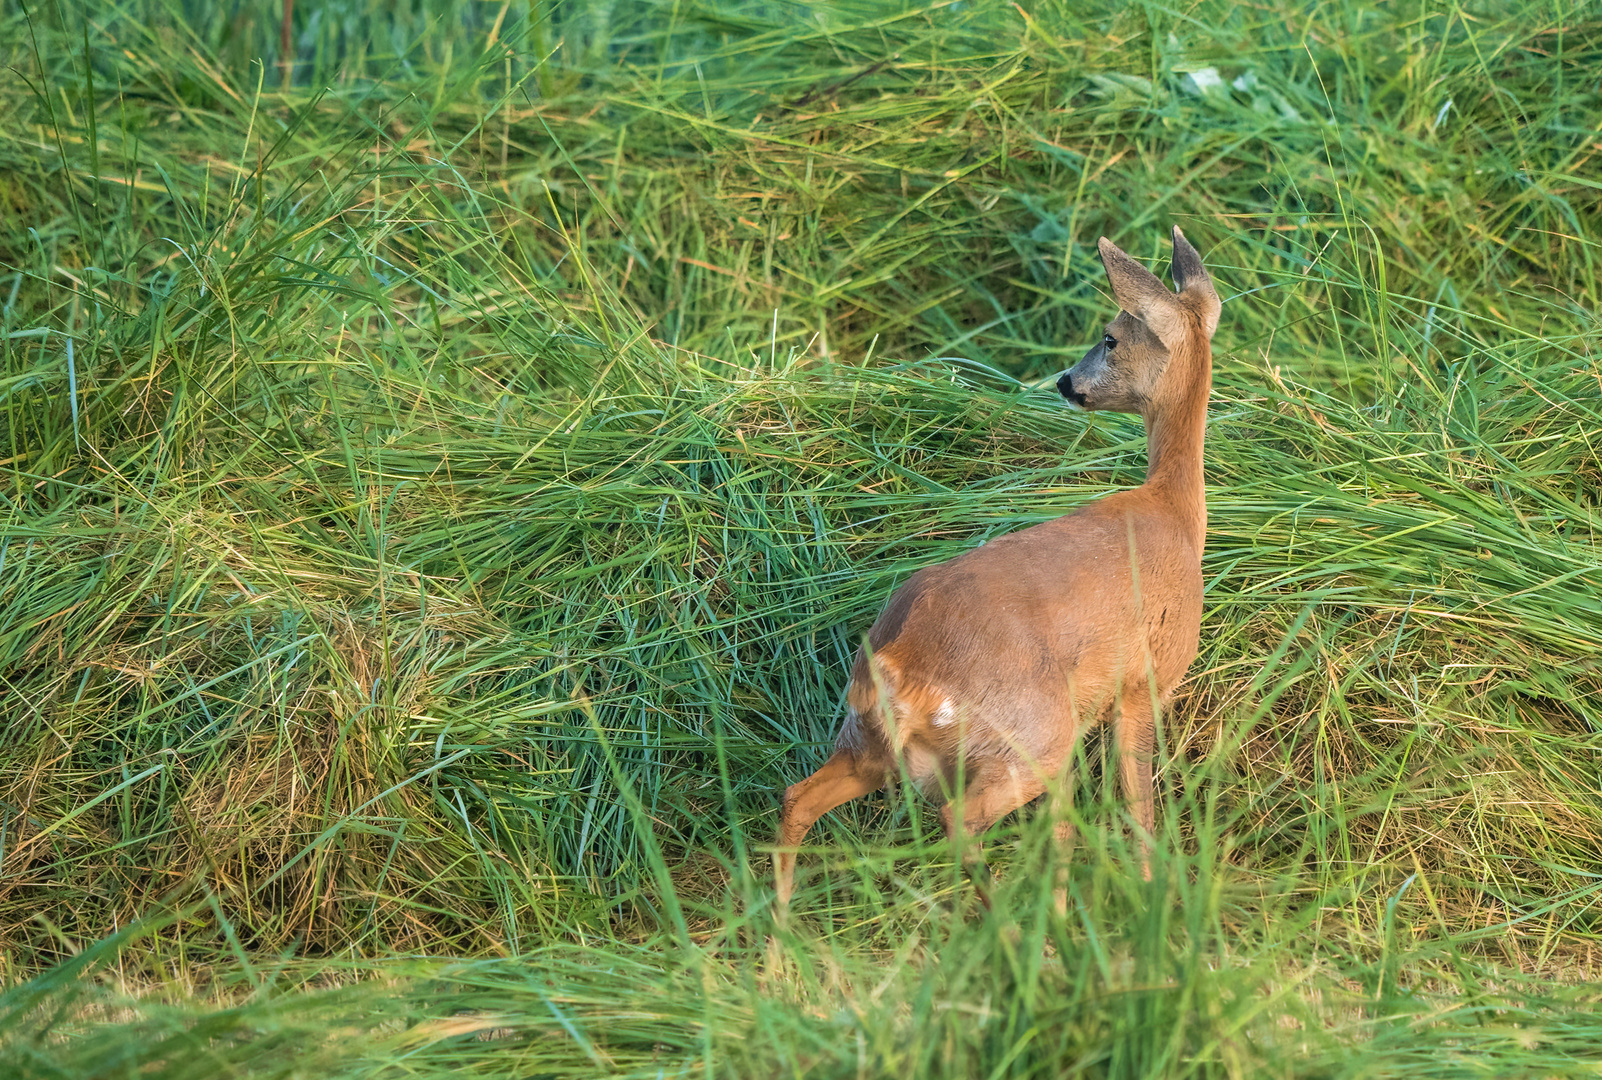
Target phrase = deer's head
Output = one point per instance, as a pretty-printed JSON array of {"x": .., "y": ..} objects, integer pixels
[{"x": 1133, "y": 368}]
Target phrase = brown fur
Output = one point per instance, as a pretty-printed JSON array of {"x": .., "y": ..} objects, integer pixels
[{"x": 1000, "y": 659}]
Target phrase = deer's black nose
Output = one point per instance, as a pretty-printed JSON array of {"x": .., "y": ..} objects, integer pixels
[{"x": 1065, "y": 387}]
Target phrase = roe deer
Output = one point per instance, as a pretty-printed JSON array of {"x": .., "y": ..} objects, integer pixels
[{"x": 1002, "y": 657}]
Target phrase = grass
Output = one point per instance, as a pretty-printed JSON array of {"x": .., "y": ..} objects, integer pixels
[{"x": 443, "y": 490}]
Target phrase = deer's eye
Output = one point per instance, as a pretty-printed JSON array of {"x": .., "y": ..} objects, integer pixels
[{"x": 1109, "y": 342}]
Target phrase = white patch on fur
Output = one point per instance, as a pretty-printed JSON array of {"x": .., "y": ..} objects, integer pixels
[{"x": 945, "y": 714}]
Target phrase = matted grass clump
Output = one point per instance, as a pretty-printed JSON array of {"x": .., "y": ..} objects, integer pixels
[{"x": 445, "y": 481}]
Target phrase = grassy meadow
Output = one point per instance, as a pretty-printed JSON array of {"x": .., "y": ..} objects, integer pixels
[{"x": 447, "y": 468}]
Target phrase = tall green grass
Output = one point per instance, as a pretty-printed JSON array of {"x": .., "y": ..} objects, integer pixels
[{"x": 443, "y": 491}]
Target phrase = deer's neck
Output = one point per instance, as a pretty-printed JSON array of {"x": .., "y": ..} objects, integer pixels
[{"x": 1174, "y": 437}]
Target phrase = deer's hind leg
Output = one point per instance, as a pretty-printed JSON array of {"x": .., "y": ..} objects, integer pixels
[
  {"x": 994, "y": 792},
  {"x": 845, "y": 776}
]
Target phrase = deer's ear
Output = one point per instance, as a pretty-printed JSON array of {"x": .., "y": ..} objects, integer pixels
[
  {"x": 1139, "y": 292},
  {"x": 1194, "y": 283}
]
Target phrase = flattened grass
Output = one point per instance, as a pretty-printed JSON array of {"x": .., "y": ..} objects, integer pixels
[{"x": 439, "y": 512}]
